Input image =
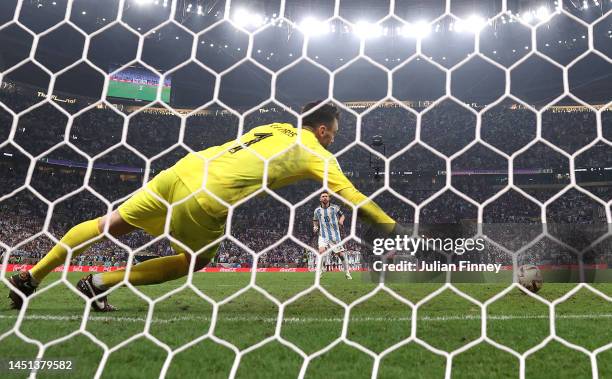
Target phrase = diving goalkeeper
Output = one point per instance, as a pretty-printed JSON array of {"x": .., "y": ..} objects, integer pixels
[{"x": 231, "y": 172}]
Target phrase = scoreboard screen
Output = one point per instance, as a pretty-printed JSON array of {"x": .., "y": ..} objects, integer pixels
[{"x": 138, "y": 84}]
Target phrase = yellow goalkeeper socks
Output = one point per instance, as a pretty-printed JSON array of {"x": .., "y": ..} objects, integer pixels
[
  {"x": 152, "y": 271},
  {"x": 76, "y": 236}
]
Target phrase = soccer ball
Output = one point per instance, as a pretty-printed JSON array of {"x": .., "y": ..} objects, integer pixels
[{"x": 530, "y": 277}]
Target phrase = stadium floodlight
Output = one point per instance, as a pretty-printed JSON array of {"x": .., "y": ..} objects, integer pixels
[
  {"x": 143, "y": 2},
  {"x": 420, "y": 29},
  {"x": 472, "y": 25},
  {"x": 365, "y": 29},
  {"x": 258, "y": 20},
  {"x": 244, "y": 18},
  {"x": 241, "y": 17},
  {"x": 543, "y": 13},
  {"x": 313, "y": 27},
  {"x": 527, "y": 17}
]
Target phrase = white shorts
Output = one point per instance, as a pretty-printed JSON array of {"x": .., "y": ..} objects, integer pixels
[{"x": 330, "y": 245}]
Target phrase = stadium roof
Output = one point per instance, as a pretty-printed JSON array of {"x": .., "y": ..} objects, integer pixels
[{"x": 389, "y": 42}]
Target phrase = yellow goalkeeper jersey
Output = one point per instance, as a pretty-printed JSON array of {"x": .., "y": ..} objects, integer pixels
[{"x": 235, "y": 169}]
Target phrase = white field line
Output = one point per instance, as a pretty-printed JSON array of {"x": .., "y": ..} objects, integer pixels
[{"x": 306, "y": 319}]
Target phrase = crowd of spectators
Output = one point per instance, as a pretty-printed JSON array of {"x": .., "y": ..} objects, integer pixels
[
  {"x": 416, "y": 174},
  {"x": 138, "y": 76}
]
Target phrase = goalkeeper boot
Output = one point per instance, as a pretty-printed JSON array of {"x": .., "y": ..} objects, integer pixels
[
  {"x": 23, "y": 282},
  {"x": 87, "y": 288}
]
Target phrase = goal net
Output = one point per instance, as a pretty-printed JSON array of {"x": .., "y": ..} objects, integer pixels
[{"x": 482, "y": 123}]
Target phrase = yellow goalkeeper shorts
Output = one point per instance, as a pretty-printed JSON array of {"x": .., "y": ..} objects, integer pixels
[{"x": 189, "y": 224}]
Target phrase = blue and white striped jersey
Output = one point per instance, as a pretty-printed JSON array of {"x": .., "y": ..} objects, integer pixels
[{"x": 328, "y": 218}]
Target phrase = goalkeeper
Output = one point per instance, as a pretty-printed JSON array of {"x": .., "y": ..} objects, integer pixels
[{"x": 231, "y": 172}]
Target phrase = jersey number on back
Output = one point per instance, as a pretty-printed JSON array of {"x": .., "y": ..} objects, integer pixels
[{"x": 258, "y": 137}]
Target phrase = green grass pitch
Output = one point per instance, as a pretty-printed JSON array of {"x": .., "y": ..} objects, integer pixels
[
  {"x": 136, "y": 91},
  {"x": 446, "y": 322}
]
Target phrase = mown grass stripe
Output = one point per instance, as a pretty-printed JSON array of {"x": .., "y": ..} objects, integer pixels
[{"x": 307, "y": 319}]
